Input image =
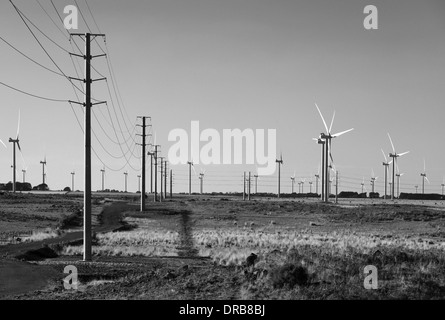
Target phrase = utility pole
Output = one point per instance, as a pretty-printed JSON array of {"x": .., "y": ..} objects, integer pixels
[
  {"x": 72, "y": 181},
  {"x": 171, "y": 183},
  {"x": 126, "y": 175},
  {"x": 244, "y": 185},
  {"x": 143, "y": 162},
  {"x": 162, "y": 178},
  {"x": 165, "y": 179},
  {"x": 43, "y": 170},
  {"x": 256, "y": 183},
  {"x": 336, "y": 186},
  {"x": 156, "y": 173},
  {"x": 190, "y": 163},
  {"x": 103, "y": 175},
  {"x": 87, "y": 129},
  {"x": 151, "y": 171},
  {"x": 24, "y": 173},
  {"x": 248, "y": 197}
]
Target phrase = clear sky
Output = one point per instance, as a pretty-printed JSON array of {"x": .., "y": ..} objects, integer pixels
[{"x": 258, "y": 64}]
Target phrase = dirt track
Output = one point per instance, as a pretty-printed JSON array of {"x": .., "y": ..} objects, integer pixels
[{"x": 19, "y": 277}]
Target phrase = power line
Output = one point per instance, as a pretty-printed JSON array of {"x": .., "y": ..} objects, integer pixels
[{"x": 32, "y": 95}]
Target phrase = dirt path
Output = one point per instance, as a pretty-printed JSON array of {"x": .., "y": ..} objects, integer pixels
[{"x": 20, "y": 277}]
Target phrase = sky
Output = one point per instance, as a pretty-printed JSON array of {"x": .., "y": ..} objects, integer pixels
[{"x": 247, "y": 64}]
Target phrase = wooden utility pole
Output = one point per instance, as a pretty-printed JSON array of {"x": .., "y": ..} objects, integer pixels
[
  {"x": 162, "y": 178},
  {"x": 244, "y": 185},
  {"x": 248, "y": 197},
  {"x": 87, "y": 129}
]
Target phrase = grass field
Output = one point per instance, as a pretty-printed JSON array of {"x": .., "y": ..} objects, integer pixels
[{"x": 199, "y": 248}]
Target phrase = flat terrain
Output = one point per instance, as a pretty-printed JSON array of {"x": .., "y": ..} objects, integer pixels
[{"x": 200, "y": 247}]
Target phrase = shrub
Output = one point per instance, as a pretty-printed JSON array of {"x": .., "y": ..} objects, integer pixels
[{"x": 289, "y": 274}]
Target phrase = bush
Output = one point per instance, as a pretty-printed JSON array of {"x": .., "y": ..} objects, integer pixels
[{"x": 289, "y": 274}]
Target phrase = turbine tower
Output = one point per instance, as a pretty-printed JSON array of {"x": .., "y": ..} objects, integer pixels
[
  {"x": 280, "y": 162},
  {"x": 327, "y": 137},
  {"x": 43, "y": 163},
  {"x": 256, "y": 183},
  {"x": 126, "y": 175},
  {"x": 423, "y": 175},
  {"x": 292, "y": 182},
  {"x": 72, "y": 180},
  {"x": 103, "y": 175},
  {"x": 14, "y": 143},
  {"x": 139, "y": 183},
  {"x": 398, "y": 175},
  {"x": 385, "y": 165},
  {"x": 201, "y": 178},
  {"x": 394, "y": 155},
  {"x": 190, "y": 163},
  {"x": 373, "y": 179},
  {"x": 443, "y": 184},
  {"x": 24, "y": 174}
]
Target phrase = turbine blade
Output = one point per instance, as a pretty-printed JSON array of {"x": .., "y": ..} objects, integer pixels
[
  {"x": 424, "y": 165},
  {"x": 332, "y": 122},
  {"x": 341, "y": 133},
  {"x": 392, "y": 145},
  {"x": 18, "y": 126},
  {"x": 384, "y": 155},
  {"x": 18, "y": 145},
  {"x": 3, "y": 143},
  {"x": 403, "y": 153},
  {"x": 427, "y": 179},
  {"x": 324, "y": 122},
  {"x": 372, "y": 173}
]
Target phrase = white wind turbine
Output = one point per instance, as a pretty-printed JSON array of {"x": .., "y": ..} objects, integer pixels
[
  {"x": 373, "y": 179},
  {"x": 15, "y": 142},
  {"x": 386, "y": 165},
  {"x": 328, "y": 137},
  {"x": 292, "y": 182},
  {"x": 423, "y": 175},
  {"x": 394, "y": 155},
  {"x": 398, "y": 175}
]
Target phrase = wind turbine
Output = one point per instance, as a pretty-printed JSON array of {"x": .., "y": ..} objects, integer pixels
[
  {"x": 328, "y": 137},
  {"x": 398, "y": 175},
  {"x": 280, "y": 162},
  {"x": 14, "y": 142},
  {"x": 103, "y": 178},
  {"x": 201, "y": 178},
  {"x": 317, "y": 176},
  {"x": 43, "y": 163},
  {"x": 443, "y": 184},
  {"x": 310, "y": 186},
  {"x": 302, "y": 185},
  {"x": 394, "y": 157},
  {"x": 190, "y": 163},
  {"x": 373, "y": 179},
  {"x": 293, "y": 182},
  {"x": 423, "y": 175},
  {"x": 126, "y": 175},
  {"x": 386, "y": 165},
  {"x": 72, "y": 180},
  {"x": 256, "y": 182}
]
